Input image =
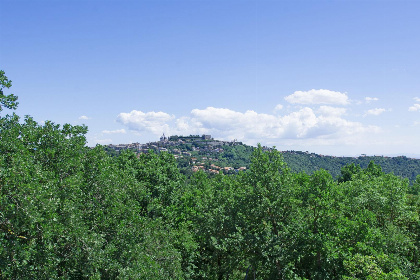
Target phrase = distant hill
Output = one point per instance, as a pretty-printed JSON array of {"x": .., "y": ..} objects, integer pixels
[
  {"x": 203, "y": 152},
  {"x": 310, "y": 162}
]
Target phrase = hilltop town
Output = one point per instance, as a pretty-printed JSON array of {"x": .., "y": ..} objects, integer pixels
[{"x": 195, "y": 152}]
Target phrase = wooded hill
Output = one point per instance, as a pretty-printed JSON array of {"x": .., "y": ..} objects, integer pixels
[
  {"x": 237, "y": 154},
  {"x": 310, "y": 162}
]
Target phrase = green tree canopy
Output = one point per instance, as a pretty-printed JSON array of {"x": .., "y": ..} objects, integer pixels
[{"x": 7, "y": 101}]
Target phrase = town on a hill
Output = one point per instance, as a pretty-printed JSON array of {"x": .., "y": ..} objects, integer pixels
[{"x": 195, "y": 152}]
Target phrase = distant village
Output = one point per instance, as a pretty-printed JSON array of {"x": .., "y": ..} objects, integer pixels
[{"x": 195, "y": 148}]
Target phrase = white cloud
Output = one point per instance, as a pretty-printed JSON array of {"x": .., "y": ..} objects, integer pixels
[
  {"x": 318, "y": 96},
  {"x": 155, "y": 122},
  {"x": 375, "y": 112},
  {"x": 83, "y": 118},
  {"x": 370, "y": 99},
  {"x": 331, "y": 111},
  {"x": 122, "y": 131},
  {"x": 415, "y": 107},
  {"x": 278, "y": 107}
]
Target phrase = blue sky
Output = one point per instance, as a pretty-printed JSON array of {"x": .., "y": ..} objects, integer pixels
[{"x": 331, "y": 77}]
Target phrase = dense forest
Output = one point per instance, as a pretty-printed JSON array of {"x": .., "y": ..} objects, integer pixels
[{"x": 68, "y": 211}]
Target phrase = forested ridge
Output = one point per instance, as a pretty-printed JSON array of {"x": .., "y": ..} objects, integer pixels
[
  {"x": 310, "y": 162},
  {"x": 72, "y": 212}
]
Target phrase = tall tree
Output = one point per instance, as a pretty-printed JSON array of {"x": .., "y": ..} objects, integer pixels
[{"x": 7, "y": 101}]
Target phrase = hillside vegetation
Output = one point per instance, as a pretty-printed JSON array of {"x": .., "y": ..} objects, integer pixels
[
  {"x": 195, "y": 151},
  {"x": 72, "y": 212},
  {"x": 310, "y": 162}
]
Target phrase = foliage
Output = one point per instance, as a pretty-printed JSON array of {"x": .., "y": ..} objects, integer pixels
[
  {"x": 72, "y": 212},
  {"x": 310, "y": 162},
  {"x": 7, "y": 101}
]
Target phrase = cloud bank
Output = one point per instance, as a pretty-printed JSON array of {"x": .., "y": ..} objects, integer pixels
[{"x": 325, "y": 123}]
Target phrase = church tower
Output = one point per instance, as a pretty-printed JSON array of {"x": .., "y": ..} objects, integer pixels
[{"x": 163, "y": 138}]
